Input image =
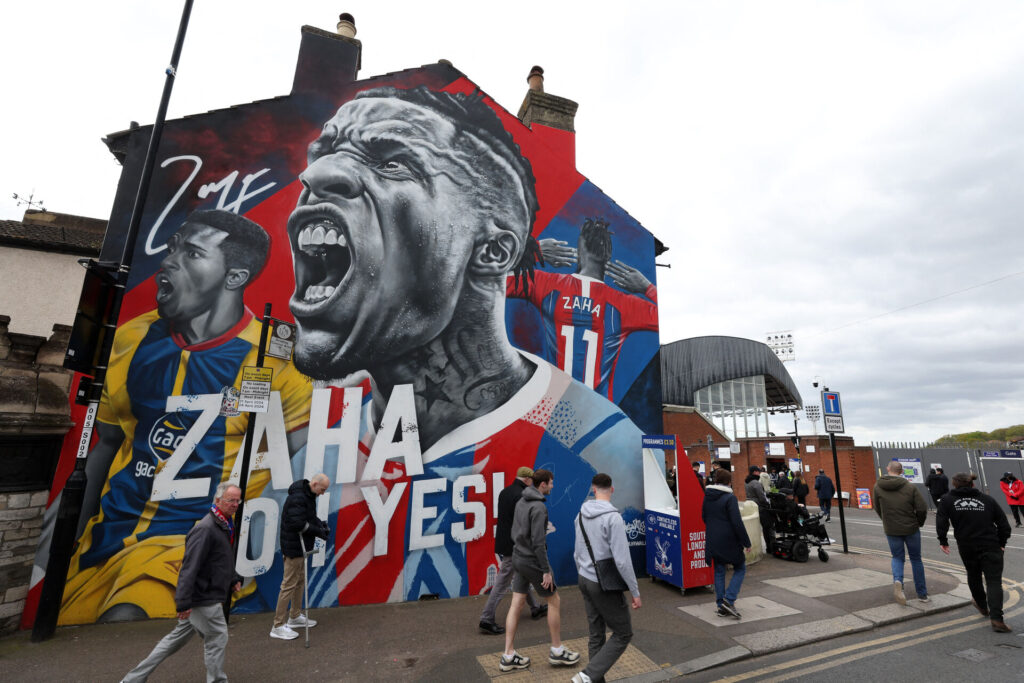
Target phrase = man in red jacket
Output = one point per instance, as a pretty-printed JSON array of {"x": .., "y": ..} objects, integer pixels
[{"x": 1013, "y": 489}]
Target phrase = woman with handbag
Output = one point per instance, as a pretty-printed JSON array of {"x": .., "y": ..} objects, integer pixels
[
  {"x": 727, "y": 541},
  {"x": 605, "y": 571}
]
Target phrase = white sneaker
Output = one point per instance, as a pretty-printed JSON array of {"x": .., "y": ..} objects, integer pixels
[
  {"x": 581, "y": 678},
  {"x": 300, "y": 622},
  {"x": 284, "y": 632}
]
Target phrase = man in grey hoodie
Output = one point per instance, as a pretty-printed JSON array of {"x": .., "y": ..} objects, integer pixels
[
  {"x": 903, "y": 511},
  {"x": 607, "y": 535},
  {"x": 530, "y": 562}
]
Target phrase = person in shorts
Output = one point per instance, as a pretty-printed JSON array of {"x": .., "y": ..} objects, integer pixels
[{"x": 530, "y": 528}]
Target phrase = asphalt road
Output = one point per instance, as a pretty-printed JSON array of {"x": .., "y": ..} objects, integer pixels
[{"x": 952, "y": 646}]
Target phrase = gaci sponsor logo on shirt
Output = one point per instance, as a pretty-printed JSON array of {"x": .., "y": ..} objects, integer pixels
[{"x": 166, "y": 434}]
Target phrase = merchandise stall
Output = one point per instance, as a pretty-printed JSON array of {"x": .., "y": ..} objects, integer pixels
[{"x": 674, "y": 531}]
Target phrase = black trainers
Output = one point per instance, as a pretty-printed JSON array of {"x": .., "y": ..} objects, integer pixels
[
  {"x": 492, "y": 628},
  {"x": 515, "y": 661},
  {"x": 729, "y": 610},
  {"x": 538, "y": 612},
  {"x": 567, "y": 658}
]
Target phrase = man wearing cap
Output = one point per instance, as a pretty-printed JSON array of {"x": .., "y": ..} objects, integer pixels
[
  {"x": 507, "y": 500},
  {"x": 826, "y": 489}
]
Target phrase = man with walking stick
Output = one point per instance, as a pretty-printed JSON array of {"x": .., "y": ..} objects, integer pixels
[{"x": 300, "y": 527}]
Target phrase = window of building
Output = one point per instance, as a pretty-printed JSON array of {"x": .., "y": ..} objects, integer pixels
[{"x": 736, "y": 406}]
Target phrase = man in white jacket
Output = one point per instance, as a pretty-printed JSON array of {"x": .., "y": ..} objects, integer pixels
[{"x": 607, "y": 535}]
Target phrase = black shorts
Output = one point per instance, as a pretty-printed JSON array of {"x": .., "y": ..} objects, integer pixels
[{"x": 528, "y": 574}]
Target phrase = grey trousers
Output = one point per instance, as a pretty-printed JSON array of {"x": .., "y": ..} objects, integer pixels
[
  {"x": 605, "y": 610},
  {"x": 501, "y": 585},
  {"x": 208, "y": 621}
]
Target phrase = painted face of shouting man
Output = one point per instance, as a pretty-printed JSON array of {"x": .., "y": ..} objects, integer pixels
[{"x": 412, "y": 207}]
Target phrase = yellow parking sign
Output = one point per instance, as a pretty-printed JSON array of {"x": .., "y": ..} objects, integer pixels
[{"x": 255, "y": 393}]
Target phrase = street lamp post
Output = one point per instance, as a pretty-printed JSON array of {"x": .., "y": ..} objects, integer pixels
[{"x": 72, "y": 496}]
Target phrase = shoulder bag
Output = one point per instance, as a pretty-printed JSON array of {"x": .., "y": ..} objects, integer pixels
[{"x": 608, "y": 576}]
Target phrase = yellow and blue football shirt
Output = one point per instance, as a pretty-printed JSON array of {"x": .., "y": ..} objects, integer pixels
[{"x": 150, "y": 362}]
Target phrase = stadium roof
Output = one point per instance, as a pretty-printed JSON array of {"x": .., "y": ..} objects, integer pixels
[{"x": 691, "y": 364}]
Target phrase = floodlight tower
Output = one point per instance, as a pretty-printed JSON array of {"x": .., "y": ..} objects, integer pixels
[{"x": 781, "y": 343}]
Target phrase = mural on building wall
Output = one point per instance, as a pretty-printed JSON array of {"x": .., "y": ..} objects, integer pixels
[{"x": 466, "y": 303}]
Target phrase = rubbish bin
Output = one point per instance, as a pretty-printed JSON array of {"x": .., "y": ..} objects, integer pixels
[{"x": 752, "y": 521}]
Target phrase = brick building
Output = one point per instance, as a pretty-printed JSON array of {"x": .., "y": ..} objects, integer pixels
[
  {"x": 717, "y": 395},
  {"x": 39, "y": 259}
]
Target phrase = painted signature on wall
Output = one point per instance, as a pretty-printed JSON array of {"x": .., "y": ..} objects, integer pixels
[{"x": 222, "y": 188}]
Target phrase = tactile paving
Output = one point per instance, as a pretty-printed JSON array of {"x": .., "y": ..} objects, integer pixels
[{"x": 633, "y": 662}]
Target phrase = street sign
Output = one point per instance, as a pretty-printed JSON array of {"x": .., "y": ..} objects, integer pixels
[
  {"x": 282, "y": 341},
  {"x": 832, "y": 410},
  {"x": 834, "y": 424},
  {"x": 830, "y": 403},
  {"x": 254, "y": 396}
]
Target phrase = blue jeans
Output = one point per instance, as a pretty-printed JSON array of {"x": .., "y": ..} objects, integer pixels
[
  {"x": 913, "y": 545},
  {"x": 733, "y": 591}
]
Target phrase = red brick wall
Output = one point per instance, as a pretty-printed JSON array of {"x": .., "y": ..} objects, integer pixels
[{"x": 856, "y": 463}]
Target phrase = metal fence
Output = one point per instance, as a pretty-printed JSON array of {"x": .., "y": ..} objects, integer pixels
[{"x": 952, "y": 458}]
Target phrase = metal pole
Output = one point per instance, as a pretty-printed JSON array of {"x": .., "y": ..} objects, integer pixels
[
  {"x": 250, "y": 429},
  {"x": 839, "y": 491},
  {"x": 65, "y": 527}
]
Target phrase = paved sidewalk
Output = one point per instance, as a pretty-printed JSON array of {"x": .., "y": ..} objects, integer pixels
[{"x": 784, "y": 604}]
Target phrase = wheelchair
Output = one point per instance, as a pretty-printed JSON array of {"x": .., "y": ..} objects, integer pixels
[{"x": 797, "y": 530}]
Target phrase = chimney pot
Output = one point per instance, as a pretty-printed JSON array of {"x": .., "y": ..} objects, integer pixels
[
  {"x": 536, "y": 79},
  {"x": 346, "y": 25}
]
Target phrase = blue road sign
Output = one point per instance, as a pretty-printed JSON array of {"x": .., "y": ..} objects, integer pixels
[{"x": 830, "y": 403}]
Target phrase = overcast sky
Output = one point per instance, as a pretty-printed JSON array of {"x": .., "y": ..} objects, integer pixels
[{"x": 848, "y": 171}]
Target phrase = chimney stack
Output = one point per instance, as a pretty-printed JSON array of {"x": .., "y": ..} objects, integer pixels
[
  {"x": 536, "y": 79},
  {"x": 346, "y": 25},
  {"x": 547, "y": 110}
]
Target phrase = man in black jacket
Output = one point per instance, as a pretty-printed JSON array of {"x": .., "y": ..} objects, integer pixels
[
  {"x": 507, "y": 500},
  {"x": 981, "y": 532},
  {"x": 937, "y": 484},
  {"x": 204, "y": 581},
  {"x": 298, "y": 518}
]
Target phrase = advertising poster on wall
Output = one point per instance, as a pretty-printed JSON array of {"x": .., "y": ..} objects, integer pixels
[{"x": 465, "y": 302}]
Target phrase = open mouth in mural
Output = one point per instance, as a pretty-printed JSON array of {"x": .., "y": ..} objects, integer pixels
[
  {"x": 322, "y": 256},
  {"x": 164, "y": 287}
]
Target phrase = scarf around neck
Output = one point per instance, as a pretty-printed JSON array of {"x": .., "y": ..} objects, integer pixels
[{"x": 227, "y": 522}]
